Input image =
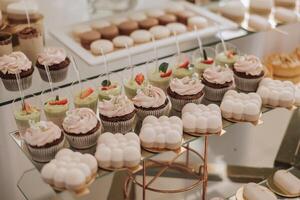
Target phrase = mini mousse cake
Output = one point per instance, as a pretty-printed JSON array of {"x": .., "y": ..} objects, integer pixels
[
  {"x": 117, "y": 114},
  {"x": 56, "y": 60},
  {"x": 226, "y": 57},
  {"x": 82, "y": 128},
  {"x": 253, "y": 191},
  {"x": 131, "y": 86},
  {"x": 248, "y": 72},
  {"x": 13, "y": 64},
  {"x": 287, "y": 182},
  {"x": 185, "y": 90},
  {"x": 183, "y": 66},
  {"x": 86, "y": 98},
  {"x": 217, "y": 81},
  {"x": 203, "y": 60},
  {"x": 109, "y": 89},
  {"x": 43, "y": 140},
  {"x": 150, "y": 100},
  {"x": 55, "y": 109},
  {"x": 160, "y": 76}
]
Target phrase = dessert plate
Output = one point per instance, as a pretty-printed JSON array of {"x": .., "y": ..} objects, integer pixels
[
  {"x": 239, "y": 194},
  {"x": 271, "y": 185}
]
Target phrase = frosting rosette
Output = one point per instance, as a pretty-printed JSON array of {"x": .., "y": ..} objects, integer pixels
[
  {"x": 80, "y": 121},
  {"x": 218, "y": 75},
  {"x": 149, "y": 97},
  {"x": 186, "y": 86},
  {"x": 42, "y": 133},
  {"x": 249, "y": 64},
  {"x": 14, "y": 63},
  {"x": 51, "y": 56},
  {"x": 117, "y": 106}
]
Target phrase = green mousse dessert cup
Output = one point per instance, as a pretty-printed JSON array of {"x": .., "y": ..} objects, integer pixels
[
  {"x": 55, "y": 109},
  {"x": 131, "y": 86},
  {"x": 108, "y": 89},
  {"x": 182, "y": 66},
  {"x": 203, "y": 59},
  {"x": 86, "y": 98},
  {"x": 226, "y": 56},
  {"x": 160, "y": 76}
]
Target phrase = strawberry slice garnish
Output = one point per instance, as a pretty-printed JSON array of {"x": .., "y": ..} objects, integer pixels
[
  {"x": 108, "y": 87},
  {"x": 209, "y": 61},
  {"x": 230, "y": 53},
  {"x": 139, "y": 78},
  {"x": 166, "y": 74},
  {"x": 26, "y": 107},
  {"x": 86, "y": 93},
  {"x": 59, "y": 102},
  {"x": 185, "y": 63}
]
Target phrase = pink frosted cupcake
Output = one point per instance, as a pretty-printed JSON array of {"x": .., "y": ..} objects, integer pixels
[
  {"x": 117, "y": 114},
  {"x": 185, "y": 90},
  {"x": 43, "y": 140},
  {"x": 151, "y": 100},
  {"x": 217, "y": 80},
  {"x": 248, "y": 72},
  {"x": 82, "y": 128}
]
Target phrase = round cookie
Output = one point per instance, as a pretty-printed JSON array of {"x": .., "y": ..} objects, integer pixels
[
  {"x": 106, "y": 45},
  {"x": 155, "y": 12},
  {"x": 139, "y": 16},
  {"x": 160, "y": 32},
  {"x": 79, "y": 29},
  {"x": 148, "y": 23},
  {"x": 166, "y": 19},
  {"x": 198, "y": 22},
  {"x": 122, "y": 41},
  {"x": 177, "y": 28},
  {"x": 128, "y": 27},
  {"x": 97, "y": 25},
  {"x": 109, "y": 32},
  {"x": 88, "y": 37},
  {"x": 184, "y": 16},
  {"x": 141, "y": 36}
]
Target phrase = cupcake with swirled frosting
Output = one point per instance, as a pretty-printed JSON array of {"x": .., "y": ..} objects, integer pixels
[
  {"x": 217, "y": 81},
  {"x": 56, "y": 60},
  {"x": 82, "y": 128},
  {"x": 43, "y": 140},
  {"x": 248, "y": 72},
  {"x": 185, "y": 90},
  {"x": 13, "y": 65},
  {"x": 117, "y": 114},
  {"x": 151, "y": 100}
]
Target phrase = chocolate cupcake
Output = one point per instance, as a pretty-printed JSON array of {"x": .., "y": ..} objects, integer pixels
[
  {"x": 88, "y": 37},
  {"x": 82, "y": 128},
  {"x": 217, "y": 81},
  {"x": 43, "y": 140},
  {"x": 12, "y": 64},
  {"x": 248, "y": 72},
  {"x": 56, "y": 60},
  {"x": 126, "y": 28},
  {"x": 117, "y": 114},
  {"x": 151, "y": 100},
  {"x": 185, "y": 90}
]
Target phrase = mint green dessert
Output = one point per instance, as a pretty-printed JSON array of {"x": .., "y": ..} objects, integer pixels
[
  {"x": 55, "y": 109},
  {"x": 108, "y": 89},
  {"x": 228, "y": 58},
  {"x": 160, "y": 77},
  {"x": 132, "y": 85},
  {"x": 87, "y": 98},
  {"x": 183, "y": 72},
  {"x": 202, "y": 62}
]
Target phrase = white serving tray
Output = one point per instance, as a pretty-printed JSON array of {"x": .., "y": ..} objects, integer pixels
[{"x": 186, "y": 40}]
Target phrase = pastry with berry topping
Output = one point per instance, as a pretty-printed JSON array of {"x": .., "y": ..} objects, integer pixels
[
  {"x": 86, "y": 98},
  {"x": 160, "y": 76},
  {"x": 132, "y": 85},
  {"x": 203, "y": 60},
  {"x": 183, "y": 66},
  {"x": 109, "y": 89},
  {"x": 226, "y": 56},
  {"x": 55, "y": 109}
]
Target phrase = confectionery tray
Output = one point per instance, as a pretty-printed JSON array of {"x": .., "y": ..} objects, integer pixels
[{"x": 186, "y": 40}]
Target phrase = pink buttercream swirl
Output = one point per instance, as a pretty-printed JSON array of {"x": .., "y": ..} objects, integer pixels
[
  {"x": 80, "y": 121},
  {"x": 218, "y": 75},
  {"x": 249, "y": 64},
  {"x": 51, "y": 56},
  {"x": 186, "y": 86},
  {"x": 149, "y": 97},
  {"x": 117, "y": 106},
  {"x": 14, "y": 63},
  {"x": 42, "y": 133}
]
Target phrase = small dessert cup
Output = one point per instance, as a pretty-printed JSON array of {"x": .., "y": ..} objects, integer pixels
[
  {"x": 182, "y": 66},
  {"x": 108, "y": 86},
  {"x": 203, "y": 59},
  {"x": 226, "y": 56}
]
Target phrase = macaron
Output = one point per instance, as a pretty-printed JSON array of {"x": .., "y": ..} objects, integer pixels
[
  {"x": 97, "y": 25},
  {"x": 139, "y": 16},
  {"x": 87, "y": 38},
  {"x": 122, "y": 41},
  {"x": 155, "y": 12},
  {"x": 109, "y": 32},
  {"x": 148, "y": 23},
  {"x": 79, "y": 29},
  {"x": 198, "y": 22},
  {"x": 101, "y": 45},
  {"x": 184, "y": 16},
  {"x": 141, "y": 36},
  {"x": 177, "y": 28},
  {"x": 166, "y": 19},
  {"x": 128, "y": 27},
  {"x": 160, "y": 32}
]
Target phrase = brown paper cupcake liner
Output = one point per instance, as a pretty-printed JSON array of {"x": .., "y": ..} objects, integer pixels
[
  {"x": 178, "y": 104},
  {"x": 118, "y": 126},
  {"x": 247, "y": 85},
  {"x": 56, "y": 75},
  {"x": 215, "y": 94},
  {"x": 12, "y": 84},
  {"x": 45, "y": 154},
  {"x": 142, "y": 114},
  {"x": 83, "y": 141}
]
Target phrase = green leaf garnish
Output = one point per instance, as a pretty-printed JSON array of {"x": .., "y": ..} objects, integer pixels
[
  {"x": 163, "y": 67},
  {"x": 56, "y": 98},
  {"x": 106, "y": 83}
]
